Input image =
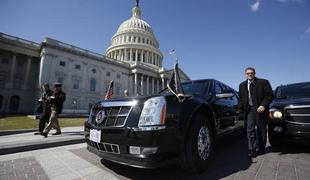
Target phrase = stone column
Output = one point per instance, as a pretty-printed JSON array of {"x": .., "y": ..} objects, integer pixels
[
  {"x": 136, "y": 84},
  {"x": 162, "y": 83},
  {"x": 136, "y": 58},
  {"x": 157, "y": 85},
  {"x": 126, "y": 55},
  {"x": 12, "y": 71},
  {"x": 147, "y": 57},
  {"x": 153, "y": 85},
  {"x": 147, "y": 85},
  {"x": 26, "y": 80},
  {"x": 141, "y": 83},
  {"x": 130, "y": 58}
]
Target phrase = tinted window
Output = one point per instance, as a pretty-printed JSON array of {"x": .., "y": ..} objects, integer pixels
[
  {"x": 294, "y": 90},
  {"x": 195, "y": 87},
  {"x": 218, "y": 88}
]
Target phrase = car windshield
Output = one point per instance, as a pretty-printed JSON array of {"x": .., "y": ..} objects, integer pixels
[
  {"x": 192, "y": 87},
  {"x": 294, "y": 90}
]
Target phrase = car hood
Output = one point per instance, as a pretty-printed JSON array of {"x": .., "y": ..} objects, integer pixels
[{"x": 280, "y": 103}]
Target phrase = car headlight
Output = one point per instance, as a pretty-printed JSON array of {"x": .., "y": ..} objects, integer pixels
[
  {"x": 153, "y": 112},
  {"x": 275, "y": 114}
]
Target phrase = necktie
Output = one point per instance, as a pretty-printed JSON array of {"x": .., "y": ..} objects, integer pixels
[{"x": 250, "y": 96}]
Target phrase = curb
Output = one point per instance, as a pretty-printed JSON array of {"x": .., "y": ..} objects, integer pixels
[
  {"x": 16, "y": 131},
  {"x": 11, "y": 150}
]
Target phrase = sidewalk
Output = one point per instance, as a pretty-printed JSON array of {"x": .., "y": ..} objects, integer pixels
[{"x": 28, "y": 141}]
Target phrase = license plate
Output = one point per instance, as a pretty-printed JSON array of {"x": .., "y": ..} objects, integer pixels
[{"x": 95, "y": 135}]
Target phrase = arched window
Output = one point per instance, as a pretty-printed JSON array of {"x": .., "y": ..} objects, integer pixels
[
  {"x": 92, "y": 84},
  {"x": 14, "y": 103}
]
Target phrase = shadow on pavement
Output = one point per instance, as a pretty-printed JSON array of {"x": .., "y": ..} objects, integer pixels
[
  {"x": 289, "y": 148},
  {"x": 230, "y": 156}
]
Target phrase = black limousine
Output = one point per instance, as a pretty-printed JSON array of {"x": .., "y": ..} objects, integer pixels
[
  {"x": 159, "y": 130},
  {"x": 289, "y": 114}
]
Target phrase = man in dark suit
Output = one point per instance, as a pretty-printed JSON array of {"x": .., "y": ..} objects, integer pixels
[
  {"x": 255, "y": 97},
  {"x": 44, "y": 108}
]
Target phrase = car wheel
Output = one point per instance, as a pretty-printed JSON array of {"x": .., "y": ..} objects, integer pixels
[{"x": 198, "y": 146}]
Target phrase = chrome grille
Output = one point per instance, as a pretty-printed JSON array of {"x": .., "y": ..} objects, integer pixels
[
  {"x": 298, "y": 114},
  {"x": 113, "y": 116},
  {"x": 104, "y": 147}
]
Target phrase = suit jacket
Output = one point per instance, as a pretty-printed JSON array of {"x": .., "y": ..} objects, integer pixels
[{"x": 261, "y": 93}]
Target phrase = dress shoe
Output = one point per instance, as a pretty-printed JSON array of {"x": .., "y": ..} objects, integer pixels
[
  {"x": 44, "y": 134},
  {"x": 57, "y": 133}
]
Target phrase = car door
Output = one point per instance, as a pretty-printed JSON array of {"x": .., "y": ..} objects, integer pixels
[{"x": 221, "y": 107}]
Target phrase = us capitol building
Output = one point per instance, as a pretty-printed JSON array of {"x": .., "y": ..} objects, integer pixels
[{"x": 133, "y": 60}]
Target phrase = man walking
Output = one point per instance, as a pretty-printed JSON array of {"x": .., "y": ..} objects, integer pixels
[
  {"x": 255, "y": 97},
  {"x": 44, "y": 108},
  {"x": 57, "y": 101}
]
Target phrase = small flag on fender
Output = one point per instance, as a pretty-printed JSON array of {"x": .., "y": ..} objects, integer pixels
[
  {"x": 174, "y": 84},
  {"x": 109, "y": 93}
]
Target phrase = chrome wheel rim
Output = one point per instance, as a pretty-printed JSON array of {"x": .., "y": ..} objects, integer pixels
[{"x": 203, "y": 143}]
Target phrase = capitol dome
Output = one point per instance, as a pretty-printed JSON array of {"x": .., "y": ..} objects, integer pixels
[{"x": 135, "y": 41}]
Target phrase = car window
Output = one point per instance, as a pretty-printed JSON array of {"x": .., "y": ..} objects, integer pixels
[
  {"x": 195, "y": 87},
  {"x": 218, "y": 88},
  {"x": 294, "y": 90}
]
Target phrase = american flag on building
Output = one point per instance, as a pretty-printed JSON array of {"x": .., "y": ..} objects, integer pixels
[{"x": 109, "y": 93}]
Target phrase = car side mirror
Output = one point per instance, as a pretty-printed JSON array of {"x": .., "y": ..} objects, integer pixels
[{"x": 224, "y": 95}]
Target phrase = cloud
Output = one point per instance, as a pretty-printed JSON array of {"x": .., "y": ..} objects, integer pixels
[
  {"x": 308, "y": 30},
  {"x": 255, "y": 6}
]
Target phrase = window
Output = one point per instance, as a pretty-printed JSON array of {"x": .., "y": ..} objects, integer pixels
[
  {"x": 93, "y": 84},
  {"x": 218, "y": 88},
  {"x": 76, "y": 84},
  {"x": 77, "y": 66},
  {"x": 14, "y": 103},
  {"x": 93, "y": 70},
  {"x": 108, "y": 73},
  {"x": 3, "y": 77},
  {"x": 62, "y": 63},
  {"x": 117, "y": 88},
  {"x": 61, "y": 80},
  {"x": 17, "y": 82},
  {"x": 5, "y": 61},
  {"x": 118, "y": 76},
  {"x": 134, "y": 39},
  {"x": 20, "y": 63},
  {"x": 139, "y": 39}
]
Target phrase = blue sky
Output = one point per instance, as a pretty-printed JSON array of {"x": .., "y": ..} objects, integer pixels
[{"x": 213, "y": 39}]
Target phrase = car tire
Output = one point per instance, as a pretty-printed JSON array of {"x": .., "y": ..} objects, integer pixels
[{"x": 198, "y": 146}]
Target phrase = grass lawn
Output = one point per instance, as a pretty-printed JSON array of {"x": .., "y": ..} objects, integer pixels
[{"x": 23, "y": 122}]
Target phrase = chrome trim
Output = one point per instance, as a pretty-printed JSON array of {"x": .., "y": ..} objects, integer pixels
[
  {"x": 119, "y": 103},
  {"x": 296, "y": 106},
  {"x": 149, "y": 128},
  {"x": 306, "y": 115},
  {"x": 111, "y": 146},
  {"x": 297, "y": 123}
]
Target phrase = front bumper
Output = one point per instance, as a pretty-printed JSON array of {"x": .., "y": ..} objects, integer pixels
[
  {"x": 115, "y": 146},
  {"x": 290, "y": 131}
]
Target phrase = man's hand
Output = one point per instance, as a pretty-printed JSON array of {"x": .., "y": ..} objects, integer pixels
[{"x": 261, "y": 109}]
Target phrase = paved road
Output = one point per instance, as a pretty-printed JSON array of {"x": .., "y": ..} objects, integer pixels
[{"x": 229, "y": 162}]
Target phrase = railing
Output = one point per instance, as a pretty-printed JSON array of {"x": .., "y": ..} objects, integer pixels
[{"x": 13, "y": 38}]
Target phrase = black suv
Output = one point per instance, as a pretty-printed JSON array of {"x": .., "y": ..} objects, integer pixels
[
  {"x": 289, "y": 114},
  {"x": 154, "y": 131}
]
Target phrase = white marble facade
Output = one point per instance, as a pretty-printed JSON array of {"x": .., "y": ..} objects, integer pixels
[{"x": 133, "y": 62}]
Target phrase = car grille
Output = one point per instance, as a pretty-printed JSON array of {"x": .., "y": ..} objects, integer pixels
[
  {"x": 298, "y": 114},
  {"x": 113, "y": 116},
  {"x": 104, "y": 147}
]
